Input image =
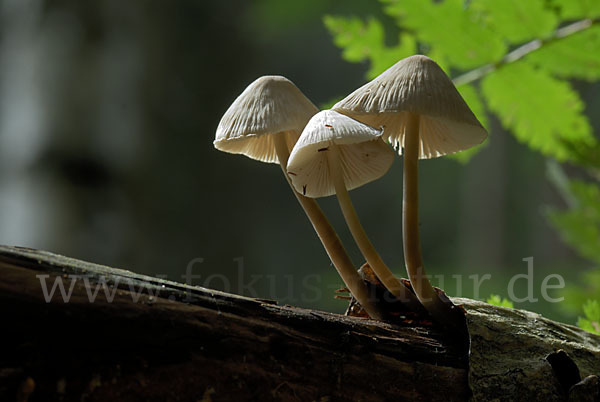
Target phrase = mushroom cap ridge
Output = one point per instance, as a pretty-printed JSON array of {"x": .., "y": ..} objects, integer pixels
[
  {"x": 271, "y": 105},
  {"x": 364, "y": 156},
  {"x": 418, "y": 85}
]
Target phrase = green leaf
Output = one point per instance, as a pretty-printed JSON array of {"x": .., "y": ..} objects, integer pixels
[
  {"x": 592, "y": 310},
  {"x": 517, "y": 21},
  {"x": 473, "y": 99},
  {"x": 591, "y": 322},
  {"x": 576, "y": 56},
  {"x": 496, "y": 300},
  {"x": 580, "y": 226},
  {"x": 362, "y": 41},
  {"x": 589, "y": 288},
  {"x": 449, "y": 29},
  {"x": 586, "y": 156},
  {"x": 541, "y": 111},
  {"x": 383, "y": 57},
  {"x": 576, "y": 9},
  {"x": 588, "y": 325},
  {"x": 356, "y": 38}
]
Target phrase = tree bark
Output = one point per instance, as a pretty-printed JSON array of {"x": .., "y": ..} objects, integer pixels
[{"x": 146, "y": 339}]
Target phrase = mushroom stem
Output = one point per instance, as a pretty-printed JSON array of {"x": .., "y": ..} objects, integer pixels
[
  {"x": 440, "y": 311},
  {"x": 330, "y": 240},
  {"x": 384, "y": 274}
]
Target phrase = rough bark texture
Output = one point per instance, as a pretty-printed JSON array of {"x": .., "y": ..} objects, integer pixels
[
  {"x": 148, "y": 339},
  {"x": 182, "y": 343},
  {"x": 513, "y": 356}
]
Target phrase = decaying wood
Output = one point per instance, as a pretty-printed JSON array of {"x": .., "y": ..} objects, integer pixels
[
  {"x": 193, "y": 344},
  {"x": 513, "y": 356},
  {"x": 159, "y": 340}
]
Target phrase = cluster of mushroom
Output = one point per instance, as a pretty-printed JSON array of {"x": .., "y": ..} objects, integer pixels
[{"x": 413, "y": 106}]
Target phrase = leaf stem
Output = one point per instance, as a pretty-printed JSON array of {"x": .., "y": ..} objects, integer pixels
[{"x": 524, "y": 50}]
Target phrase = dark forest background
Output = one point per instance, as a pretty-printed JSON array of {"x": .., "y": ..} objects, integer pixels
[{"x": 108, "y": 110}]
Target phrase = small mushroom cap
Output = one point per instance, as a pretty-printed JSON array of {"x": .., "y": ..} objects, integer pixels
[
  {"x": 416, "y": 85},
  {"x": 271, "y": 105},
  {"x": 364, "y": 156}
]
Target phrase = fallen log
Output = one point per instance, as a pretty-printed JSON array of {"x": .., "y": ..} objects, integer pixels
[{"x": 110, "y": 334}]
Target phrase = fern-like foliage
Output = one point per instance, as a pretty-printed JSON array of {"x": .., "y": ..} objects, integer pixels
[
  {"x": 591, "y": 322},
  {"x": 496, "y": 300},
  {"x": 514, "y": 59},
  {"x": 529, "y": 91},
  {"x": 579, "y": 226}
]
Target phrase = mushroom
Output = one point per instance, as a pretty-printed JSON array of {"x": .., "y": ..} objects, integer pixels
[
  {"x": 423, "y": 113},
  {"x": 264, "y": 123},
  {"x": 335, "y": 154}
]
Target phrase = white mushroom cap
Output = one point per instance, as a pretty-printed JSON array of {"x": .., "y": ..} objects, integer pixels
[
  {"x": 417, "y": 85},
  {"x": 364, "y": 156},
  {"x": 271, "y": 105}
]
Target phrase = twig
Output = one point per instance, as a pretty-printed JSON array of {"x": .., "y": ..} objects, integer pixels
[{"x": 524, "y": 50}]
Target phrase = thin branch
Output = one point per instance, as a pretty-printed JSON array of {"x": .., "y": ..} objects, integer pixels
[
  {"x": 558, "y": 177},
  {"x": 524, "y": 50}
]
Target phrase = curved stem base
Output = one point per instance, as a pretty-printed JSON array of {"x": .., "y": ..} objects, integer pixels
[{"x": 442, "y": 312}]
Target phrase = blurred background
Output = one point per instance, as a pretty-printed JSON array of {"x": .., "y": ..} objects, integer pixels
[{"x": 108, "y": 110}]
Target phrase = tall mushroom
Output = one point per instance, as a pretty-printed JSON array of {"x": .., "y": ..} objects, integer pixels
[
  {"x": 423, "y": 113},
  {"x": 264, "y": 123},
  {"x": 335, "y": 154}
]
